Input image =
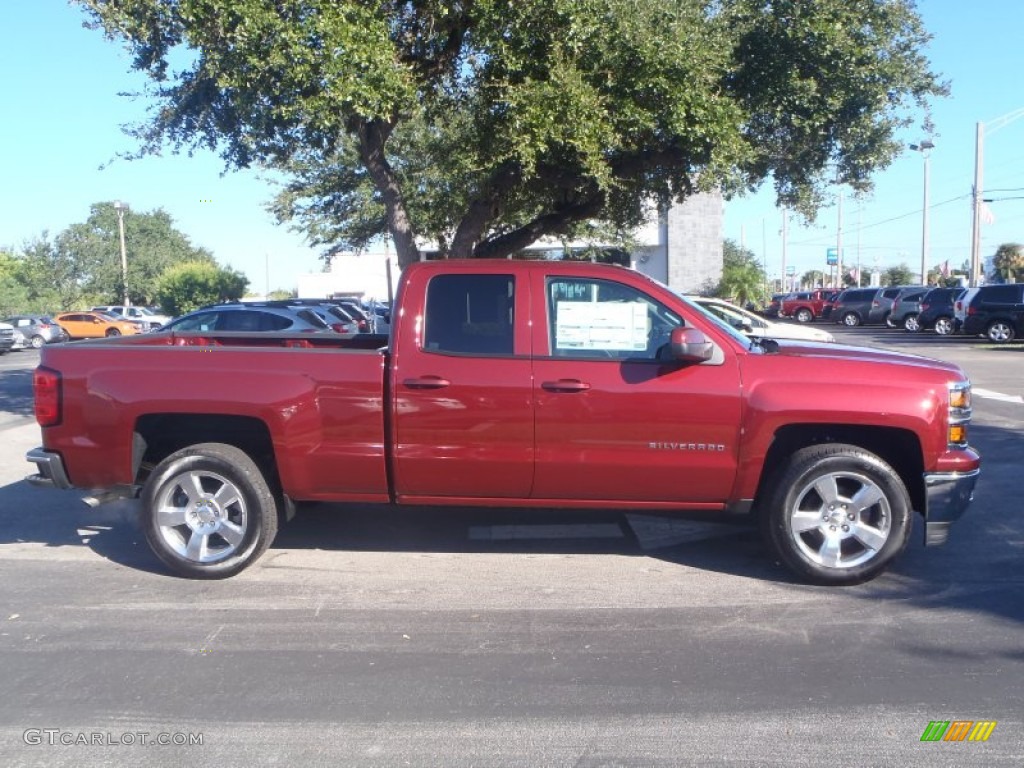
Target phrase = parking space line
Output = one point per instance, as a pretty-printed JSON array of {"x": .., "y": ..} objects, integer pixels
[{"x": 988, "y": 394}]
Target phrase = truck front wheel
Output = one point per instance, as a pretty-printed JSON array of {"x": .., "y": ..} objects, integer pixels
[
  {"x": 208, "y": 511},
  {"x": 837, "y": 514}
]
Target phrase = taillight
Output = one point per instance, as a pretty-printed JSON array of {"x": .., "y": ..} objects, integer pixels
[
  {"x": 46, "y": 386},
  {"x": 971, "y": 310},
  {"x": 338, "y": 328}
]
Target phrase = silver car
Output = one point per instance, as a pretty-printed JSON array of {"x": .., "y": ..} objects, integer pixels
[
  {"x": 248, "y": 318},
  {"x": 144, "y": 316},
  {"x": 37, "y": 329}
]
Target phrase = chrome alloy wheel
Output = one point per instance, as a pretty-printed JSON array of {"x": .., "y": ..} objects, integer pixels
[
  {"x": 201, "y": 516},
  {"x": 840, "y": 520}
]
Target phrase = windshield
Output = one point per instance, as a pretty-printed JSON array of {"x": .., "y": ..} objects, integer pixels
[{"x": 740, "y": 338}]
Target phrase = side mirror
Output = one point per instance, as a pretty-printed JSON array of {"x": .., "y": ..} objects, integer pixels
[{"x": 690, "y": 345}]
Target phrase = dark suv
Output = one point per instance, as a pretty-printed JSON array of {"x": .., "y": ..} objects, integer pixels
[
  {"x": 935, "y": 310},
  {"x": 905, "y": 309},
  {"x": 886, "y": 299},
  {"x": 996, "y": 311},
  {"x": 852, "y": 307}
]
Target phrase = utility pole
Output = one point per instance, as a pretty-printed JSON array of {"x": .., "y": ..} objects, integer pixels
[
  {"x": 979, "y": 164},
  {"x": 839, "y": 244},
  {"x": 121, "y": 208}
]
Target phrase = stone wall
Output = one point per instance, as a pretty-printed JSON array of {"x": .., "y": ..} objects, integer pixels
[{"x": 694, "y": 240}]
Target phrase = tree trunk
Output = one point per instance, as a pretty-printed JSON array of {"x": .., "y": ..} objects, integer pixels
[{"x": 373, "y": 135}]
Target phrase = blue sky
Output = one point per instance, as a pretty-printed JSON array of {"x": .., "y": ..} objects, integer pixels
[{"x": 62, "y": 114}]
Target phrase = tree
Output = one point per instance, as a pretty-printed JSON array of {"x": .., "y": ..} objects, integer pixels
[
  {"x": 1008, "y": 263},
  {"x": 189, "y": 286},
  {"x": 51, "y": 274},
  {"x": 813, "y": 279},
  {"x": 485, "y": 125},
  {"x": 152, "y": 245},
  {"x": 13, "y": 295},
  {"x": 743, "y": 279},
  {"x": 898, "y": 275}
]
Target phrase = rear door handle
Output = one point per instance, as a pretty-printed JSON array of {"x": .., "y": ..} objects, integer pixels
[
  {"x": 427, "y": 382},
  {"x": 566, "y": 385}
]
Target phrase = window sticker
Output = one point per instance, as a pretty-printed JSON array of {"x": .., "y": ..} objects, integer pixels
[{"x": 618, "y": 326}]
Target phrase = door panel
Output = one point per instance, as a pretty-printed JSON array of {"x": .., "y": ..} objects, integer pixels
[
  {"x": 462, "y": 389},
  {"x": 615, "y": 422}
]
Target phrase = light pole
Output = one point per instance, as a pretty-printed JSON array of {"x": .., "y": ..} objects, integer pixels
[
  {"x": 979, "y": 172},
  {"x": 925, "y": 148},
  {"x": 121, "y": 209}
]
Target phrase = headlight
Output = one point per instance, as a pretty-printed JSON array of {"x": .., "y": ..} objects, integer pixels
[{"x": 959, "y": 413}]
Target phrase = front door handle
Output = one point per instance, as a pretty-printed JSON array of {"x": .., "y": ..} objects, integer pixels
[
  {"x": 427, "y": 382},
  {"x": 566, "y": 385}
]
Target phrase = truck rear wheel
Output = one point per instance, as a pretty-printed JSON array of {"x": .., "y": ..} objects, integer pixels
[
  {"x": 208, "y": 511},
  {"x": 837, "y": 514},
  {"x": 804, "y": 315}
]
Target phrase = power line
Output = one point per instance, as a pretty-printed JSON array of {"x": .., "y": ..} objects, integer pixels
[{"x": 823, "y": 238}]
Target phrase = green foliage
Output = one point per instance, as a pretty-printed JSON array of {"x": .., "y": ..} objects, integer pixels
[
  {"x": 899, "y": 275},
  {"x": 483, "y": 126},
  {"x": 191, "y": 285},
  {"x": 152, "y": 244},
  {"x": 1008, "y": 263},
  {"x": 743, "y": 279},
  {"x": 52, "y": 275},
  {"x": 81, "y": 266},
  {"x": 814, "y": 278},
  {"x": 281, "y": 294},
  {"x": 13, "y": 295}
]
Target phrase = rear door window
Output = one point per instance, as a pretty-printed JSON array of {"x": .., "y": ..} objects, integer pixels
[{"x": 470, "y": 314}]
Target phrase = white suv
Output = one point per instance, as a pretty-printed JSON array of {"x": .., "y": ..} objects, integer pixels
[{"x": 144, "y": 316}]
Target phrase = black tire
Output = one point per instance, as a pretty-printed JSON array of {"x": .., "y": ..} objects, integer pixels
[
  {"x": 851, "y": 320},
  {"x": 218, "y": 515},
  {"x": 1000, "y": 331},
  {"x": 944, "y": 326},
  {"x": 910, "y": 323},
  {"x": 111, "y": 332},
  {"x": 804, "y": 315},
  {"x": 837, "y": 514}
]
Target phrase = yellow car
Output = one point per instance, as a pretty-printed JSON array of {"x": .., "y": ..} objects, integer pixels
[{"x": 95, "y": 325}]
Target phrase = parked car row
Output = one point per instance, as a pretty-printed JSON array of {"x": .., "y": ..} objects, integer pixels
[
  {"x": 995, "y": 311},
  {"x": 301, "y": 315},
  {"x": 34, "y": 330},
  {"x": 346, "y": 316}
]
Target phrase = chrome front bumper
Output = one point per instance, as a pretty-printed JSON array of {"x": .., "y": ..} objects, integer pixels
[
  {"x": 947, "y": 496},
  {"x": 51, "y": 472}
]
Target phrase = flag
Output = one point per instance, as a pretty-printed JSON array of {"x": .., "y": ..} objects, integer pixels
[
  {"x": 945, "y": 268},
  {"x": 987, "y": 217}
]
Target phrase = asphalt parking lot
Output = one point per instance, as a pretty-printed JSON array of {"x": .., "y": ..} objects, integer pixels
[{"x": 379, "y": 636}]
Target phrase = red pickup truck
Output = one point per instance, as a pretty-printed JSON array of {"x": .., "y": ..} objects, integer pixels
[
  {"x": 806, "y": 306},
  {"x": 513, "y": 383}
]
